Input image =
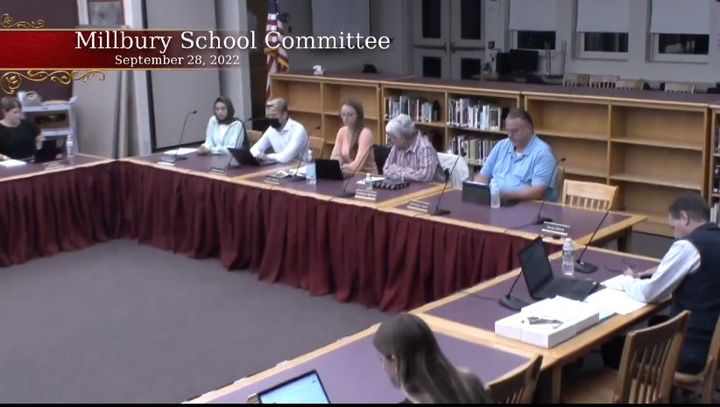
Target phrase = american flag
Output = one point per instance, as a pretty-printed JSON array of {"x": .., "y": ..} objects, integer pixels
[{"x": 277, "y": 59}]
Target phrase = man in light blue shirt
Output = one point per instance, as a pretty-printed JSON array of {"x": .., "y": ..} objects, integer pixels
[{"x": 522, "y": 164}]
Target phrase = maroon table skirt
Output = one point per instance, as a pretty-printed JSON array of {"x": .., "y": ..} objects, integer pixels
[
  {"x": 58, "y": 211},
  {"x": 196, "y": 216},
  {"x": 378, "y": 259}
]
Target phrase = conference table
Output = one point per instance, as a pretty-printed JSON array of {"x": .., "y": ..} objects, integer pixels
[
  {"x": 352, "y": 372},
  {"x": 474, "y": 311},
  {"x": 376, "y": 253},
  {"x": 52, "y": 207}
]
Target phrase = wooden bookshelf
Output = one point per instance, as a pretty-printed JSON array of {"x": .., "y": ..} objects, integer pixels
[
  {"x": 315, "y": 101},
  {"x": 653, "y": 145}
]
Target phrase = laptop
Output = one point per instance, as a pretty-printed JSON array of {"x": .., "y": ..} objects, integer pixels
[
  {"x": 479, "y": 193},
  {"x": 304, "y": 389},
  {"x": 329, "y": 169},
  {"x": 244, "y": 157},
  {"x": 542, "y": 283},
  {"x": 52, "y": 150}
]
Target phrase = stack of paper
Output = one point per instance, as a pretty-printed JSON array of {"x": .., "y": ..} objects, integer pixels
[
  {"x": 181, "y": 151},
  {"x": 614, "y": 300},
  {"x": 12, "y": 163}
]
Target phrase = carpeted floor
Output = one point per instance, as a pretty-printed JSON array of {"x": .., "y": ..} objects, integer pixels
[{"x": 119, "y": 322}]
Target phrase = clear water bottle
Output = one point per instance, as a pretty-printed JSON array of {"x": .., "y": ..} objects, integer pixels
[
  {"x": 310, "y": 176},
  {"x": 494, "y": 194},
  {"x": 568, "y": 258},
  {"x": 368, "y": 182},
  {"x": 70, "y": 145}
]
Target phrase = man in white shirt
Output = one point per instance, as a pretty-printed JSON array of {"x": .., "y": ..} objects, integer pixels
[
  {"x": 287, "y": 137},
  {"x": 690, "y": 271}
]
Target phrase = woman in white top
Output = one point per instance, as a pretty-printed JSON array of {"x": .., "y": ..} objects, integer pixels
[{"x": 223, "y": 130}]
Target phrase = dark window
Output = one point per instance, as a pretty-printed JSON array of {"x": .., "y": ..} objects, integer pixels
[
  {"x": 470, "y": 68},
  {"x": 606, "y": 42},
  {"x": 432, "y": 67},
  {"x": 470, "y": 19},
  {"x": 691, "y": 44},
  {"x": 536, "y": 39},
  {"x": 431, "y": 14}
]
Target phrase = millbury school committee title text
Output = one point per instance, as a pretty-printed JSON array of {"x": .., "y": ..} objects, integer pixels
[{"x": 129, "y": 40}]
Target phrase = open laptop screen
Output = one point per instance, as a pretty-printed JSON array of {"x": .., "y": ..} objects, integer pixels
[
  {"x": 303, "y": 389},
  {"x": 535, "y": 266}
]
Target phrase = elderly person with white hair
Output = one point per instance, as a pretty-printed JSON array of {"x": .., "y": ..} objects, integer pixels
[{"x": 412, "y": 157}]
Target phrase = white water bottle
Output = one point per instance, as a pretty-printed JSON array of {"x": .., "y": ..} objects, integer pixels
[
  {"x": 69, "y": 145},
  {"x": 368, "y": 182},
  {"x": 568, "y": 258},
  {"x": 310, "y": 177},
  {"x": 494, "y": 194}
]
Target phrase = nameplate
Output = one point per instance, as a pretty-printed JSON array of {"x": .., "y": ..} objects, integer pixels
[
  {"x": 366, "y": 195},
  {"x": 554, "y": 229},
  {"x": 273, "y": 179},
  {"x": 55, "y": 165},
  {"x": 219, "y": 170},
  {"x": 167, "y": 159},
  {"x": 167, "y": 163},
  {"x": 419, "y": 206}
]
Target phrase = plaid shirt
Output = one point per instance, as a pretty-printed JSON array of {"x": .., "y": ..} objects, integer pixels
[{"x": 417, "y": 163}]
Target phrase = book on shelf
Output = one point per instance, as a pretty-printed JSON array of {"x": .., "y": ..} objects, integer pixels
[
  {"x": 418, "y": 108},
  {"x": 474, "y": 114},
  {"x": 473, "y": 149},
  {"x": 715, "y": 212},
  {"x": 716, "y": 179}
]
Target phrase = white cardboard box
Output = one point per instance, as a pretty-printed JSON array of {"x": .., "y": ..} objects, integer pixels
[{"x": 572, "y": 316}]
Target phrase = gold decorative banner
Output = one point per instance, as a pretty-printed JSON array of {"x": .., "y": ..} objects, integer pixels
[
  {"x": 8, "y": 22},
  {"x": 11, "y": 81}
]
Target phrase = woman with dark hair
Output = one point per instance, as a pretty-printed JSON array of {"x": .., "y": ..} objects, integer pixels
[
  {"x": 223, "y": 130},
  {"x": 414, "y": 362},
  {"x": 354, "y": 141},
  {"x": 18, "y": 137}
]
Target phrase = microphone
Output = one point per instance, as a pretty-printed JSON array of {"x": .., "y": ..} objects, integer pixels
[
  {"x": 585, "y": 267},
  {"x": 510, "y": 302},
  {"x": 539, "y": 220},
  {"x": 344, "y": 193},
  {"x": 438, "y": 211},
  {"x": 176, "y": 156},
  {"x": 295, "y": 176}
]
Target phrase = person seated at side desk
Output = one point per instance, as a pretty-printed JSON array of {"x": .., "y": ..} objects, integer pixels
[
  {"x": 414, "y": 363},
  {"x": 412, "y": 156},
  {"x": 690, "y": 271},
  {"x": 287, "y": 137},
  {"x": 354, "y": 142},
  {"x": 522, "y": 164},
  {"x": 223, "y": 129},
  {"x": 18, "y": 137}
]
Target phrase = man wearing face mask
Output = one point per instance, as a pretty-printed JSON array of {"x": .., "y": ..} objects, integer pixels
[
  {"x": 690, "y": 271},
  {"x": 287, "y": 137}
]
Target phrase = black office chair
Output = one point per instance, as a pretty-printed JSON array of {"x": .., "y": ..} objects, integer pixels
[{"x": 381, "y": 154}]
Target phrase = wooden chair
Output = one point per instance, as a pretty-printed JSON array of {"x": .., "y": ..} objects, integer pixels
[
  {"x": 602, "y": 81},
  {"x": 706, "y": 381},
  {"x": 577, "y": 80},
  {"x": 589, "y": 195},
  {"x": 317, "y": 145},
  {"x": 253, "y": 136},
  {"x": 647, "y": 366},
  {"x": 679, "y": 87},
  {"x": 629, "y": 84},
  {"x": 518, "y": 386}
]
